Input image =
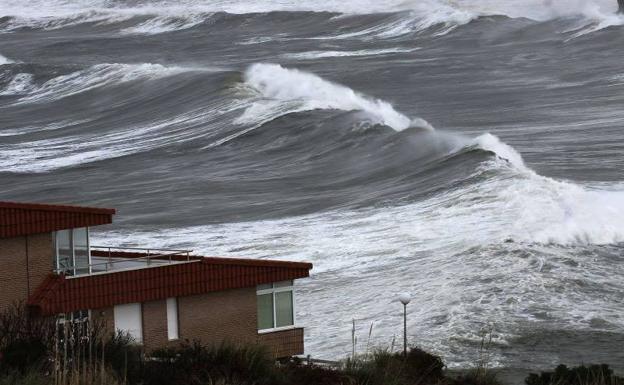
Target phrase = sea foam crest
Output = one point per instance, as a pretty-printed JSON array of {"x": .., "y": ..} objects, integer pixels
[
  {"x": 4, "y": 60},
  {"x": 489, "y": 142},
  {"x": 306, "y": 91},
  {"x": 21, "y": 83}
]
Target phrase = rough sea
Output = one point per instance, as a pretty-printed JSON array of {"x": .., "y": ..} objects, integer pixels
[{"x": 469, "y": 152}]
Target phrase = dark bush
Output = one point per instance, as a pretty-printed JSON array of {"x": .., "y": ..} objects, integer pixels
[
  {"x": 193, "y": 363},
  {"x": 294, "y": 372},
  {"x": 123, "y": 356},
  {"x": 477, "y": 377},
  {"x": 21, "y": 355},
  {"x": 385, "y": 368},
  {"x": 24, "y": 340},
  {"x": 580, "y": 375}
]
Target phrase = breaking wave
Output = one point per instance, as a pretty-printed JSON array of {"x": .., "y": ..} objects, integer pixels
[
  {"x": 308, "y": 92},
  {"x": 166, "y": 16}
]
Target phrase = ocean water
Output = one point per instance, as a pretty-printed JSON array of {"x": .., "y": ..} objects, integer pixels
[{"x": 468, "y": 152}]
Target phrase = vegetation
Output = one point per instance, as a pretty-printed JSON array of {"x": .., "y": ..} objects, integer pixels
[
  {"x": 35, "y": 351},
  {"x": 580, "y": 375}
]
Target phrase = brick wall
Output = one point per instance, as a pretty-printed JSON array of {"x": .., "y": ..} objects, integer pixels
[
  {"x": 212, "y": 318},
  {"x": 284, "y": 343},
  {"x": 155, "y": 324},
  {"x": 228, "y": 315},
  {"x": 25, "y": 262}
]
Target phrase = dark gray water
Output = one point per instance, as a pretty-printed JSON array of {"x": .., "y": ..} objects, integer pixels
[{"x": 468, "y": 152}]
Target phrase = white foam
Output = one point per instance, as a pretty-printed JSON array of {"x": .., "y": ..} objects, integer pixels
[
  {"x": 21, "y": 83},
  {"x": 492, "y": 143},
  {"x": 312, "y": 55},
  {"x": 162, "y": 24},
  {"x": 286, "y": 90},
  {"x": 4, "y": 60}
]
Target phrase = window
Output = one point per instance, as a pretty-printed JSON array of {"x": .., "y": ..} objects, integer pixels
[
  {"x": 64, "y": 254},
  {"x": 72, "y": 251},
  {"x": 275, "y": 305},
  {"x": 172, "y": 319},
  {"x": 128, "y": 319},
  {"x": 81, "y": 250},
  {"x": 79, "y": 316}
]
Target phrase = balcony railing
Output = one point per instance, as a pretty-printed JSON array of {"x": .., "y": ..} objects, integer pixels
[{"x": 108, "y": 259}]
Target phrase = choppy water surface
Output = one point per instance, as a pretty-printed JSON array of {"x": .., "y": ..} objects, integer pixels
[{"x": 469, "y": 152}]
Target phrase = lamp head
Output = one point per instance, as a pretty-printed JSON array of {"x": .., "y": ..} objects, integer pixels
[{"x": 405, "y": 298}]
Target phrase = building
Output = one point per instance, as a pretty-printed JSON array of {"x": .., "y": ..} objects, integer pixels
[{"x": 159, "y": 297}]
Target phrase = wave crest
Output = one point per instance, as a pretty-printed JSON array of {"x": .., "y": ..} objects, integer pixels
[{"x": 306, "y": 91}]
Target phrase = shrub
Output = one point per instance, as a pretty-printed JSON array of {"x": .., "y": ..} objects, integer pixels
[
  {"x": 193, "y": 363},
  {"x": 122, "y": 356},
  {"x": 385, "y": 368},
  {"x": 294, "y": 372},
  {"x": 29, "y": 378},
  {"x": 580, "y": 375},
  {"x": 24, "y": 340},
  {"x": 477, "y": 377}
]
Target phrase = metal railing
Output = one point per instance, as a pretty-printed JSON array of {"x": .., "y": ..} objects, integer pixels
[{"x": 153, "y": 256}]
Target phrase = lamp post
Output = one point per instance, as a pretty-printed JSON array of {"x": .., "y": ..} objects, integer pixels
[{"x": 405, "y": 299}]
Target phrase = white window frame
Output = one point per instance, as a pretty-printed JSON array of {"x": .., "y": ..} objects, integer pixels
[
  {"x": 173, "y": 320},
  {"x": 272, "y": 290},
  {"x": 73, "y": 250}
]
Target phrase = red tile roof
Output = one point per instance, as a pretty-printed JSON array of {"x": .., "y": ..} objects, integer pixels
[
  {"x": 18, "y": 219},
  {"x": 58, "y": 294}
]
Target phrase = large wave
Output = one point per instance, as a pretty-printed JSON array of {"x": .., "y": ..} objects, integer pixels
[{"x": 535, "y": 208}]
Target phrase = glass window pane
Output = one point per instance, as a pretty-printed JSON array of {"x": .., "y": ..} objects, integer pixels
[
  {"x": 265, "y": 311},
  {"x": 64, "y": 258},
  {"x": 284, "y": 309},
  {"x": 81, "y": 250},
  {"x": 265, "y": 286},
  {"x": 283, "y": 284}
]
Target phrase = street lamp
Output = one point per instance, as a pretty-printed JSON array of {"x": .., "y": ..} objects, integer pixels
[{"x": 405, "y": 299}]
